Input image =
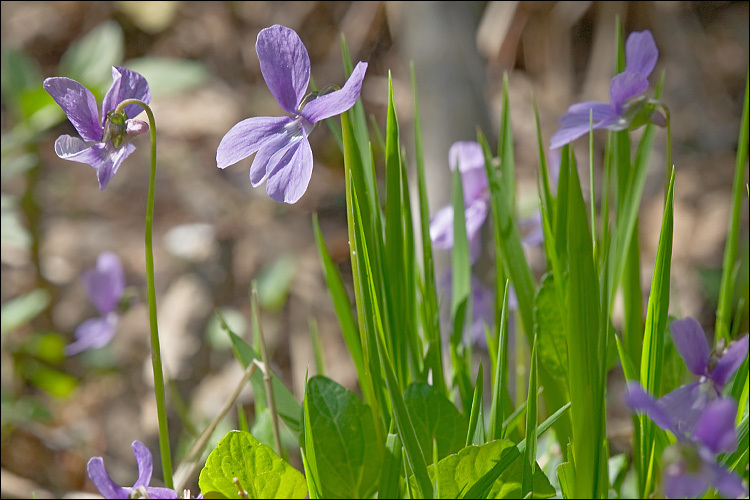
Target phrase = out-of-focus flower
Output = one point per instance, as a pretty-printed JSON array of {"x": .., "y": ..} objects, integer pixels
[
  {"x": 105, "y": 139},
  {"x": 482, "y": 308},
  {"x": 683, "y": 406},
  {"x": 689, "y": 466},
  {"x": 105, "y": 286},
  {"x": 109, "y": 489},
  {"x": 284, "y": 157},
  {"x": 469, "y": 158},
  {"x": 622, "y": 112}
]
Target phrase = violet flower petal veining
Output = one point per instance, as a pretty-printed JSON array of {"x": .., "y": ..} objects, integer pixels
[
  {"x": 640, "y": 59},
  {"x": 283, "y": 156},
  {"x": 94, "y": 147}
]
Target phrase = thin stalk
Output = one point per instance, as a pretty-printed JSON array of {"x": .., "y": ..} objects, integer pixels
[{"x": 166, "y": 456}]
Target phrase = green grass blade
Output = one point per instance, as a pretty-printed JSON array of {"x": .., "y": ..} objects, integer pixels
[
  {"x": 476, "y": 408},
  {"x": 395, "y": 292},
  {"x": 545, "y": 195},
  {"x": 724, "y": 309},
  {"x": 431, "y": 320},
  {"x": 505, "y": 149},
  {"x": 483, "y": 485},
  {"x": 532, "y": 415},
  {"x": 652, "y": 358},
  {"x": 585, "y": 348},
  {"x": 500, "y": 383},
  {"x": 342, "y": 306}
]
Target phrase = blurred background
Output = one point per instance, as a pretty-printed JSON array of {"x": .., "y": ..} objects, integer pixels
[{"x": 214, "y": 233}]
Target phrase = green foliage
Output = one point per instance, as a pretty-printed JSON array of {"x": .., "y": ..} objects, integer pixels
[
  {"x": 242, "y": 467},
  {"x": 348, "y": 454}
]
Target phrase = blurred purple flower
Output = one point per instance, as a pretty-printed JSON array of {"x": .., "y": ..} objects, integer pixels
[
  {"x": 681, "y": 408},
  {"x": 105, "y": 286},
  {"x": 284, "y": 157},
  {"x": 109, "y": 489},
  {"x": 104, "y": 142},
  {"x": 640, "y": 59},
  {"x": 482, "y": 308},
  {"x": 469, "y": 158}
]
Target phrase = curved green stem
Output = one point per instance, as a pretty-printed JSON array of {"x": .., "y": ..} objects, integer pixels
[{"x": 166, "y": 457}]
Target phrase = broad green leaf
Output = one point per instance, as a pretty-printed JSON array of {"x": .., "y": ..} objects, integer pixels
[
  {"x": 169, "y": 76},
  {"x": 434, "y": 416},
  {"x": 348, "y": 455},
  {"x": 458, "y": 472},
  {"x": 482, "y": 486},
  {"x": 241, "y": 461},
  {"x": 89, "y": 60},
  {"x": 550, "y": 330},
  {"x": 53, "y": 381},
  {"x": 20, "y": 310}
]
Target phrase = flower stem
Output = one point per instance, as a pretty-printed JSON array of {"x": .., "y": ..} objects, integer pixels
[{"x": 166, "y": 457}]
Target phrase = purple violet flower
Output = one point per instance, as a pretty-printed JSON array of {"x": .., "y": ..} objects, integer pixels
[
  {"x": 689, "y": 466},
  {"x": 105, "y": 286},
  {"x": 109, "y": 489},
  {"x": 640, "y": 59},
  {"x": 284, "y": 157},
  {"x": 105, "y": 139},
  {"x": 469, "y": 158},
  {"x": 679, "y": 410}
]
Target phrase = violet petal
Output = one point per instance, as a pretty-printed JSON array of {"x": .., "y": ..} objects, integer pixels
[
  {"x": 127, "y": 84},
  {"x": 284, "y": 64},
  {"x": 93, "y": 333},
  {"x": 475, "y": 185},
  {"x": 575, "y": 123},
  {"x": 288, "y": 180},
  {"x": 475, "y": 215},
  {"x": 67, "y": 146},
  {"x": 165, "y": 493},
  {"x": 729, "y": 362},
  {"x": 106, "y": 283},
  {"x": 145, "y": 463},
  {"x": 715, "y": 426},
  {"x": 678, "y": 484},
  {"x": 79, "y": 105},
  {"x": 623, "y": 87},
  {"x": 102, "y": 481},
  {"x": 690, "y": 340},
  {"x": 110, "y": 160},
  {"x": 269, "y": 155},
  {"x": 640, "y": 401},
  {"x": 684, "y": 405},
  {"x": 726, "y": 482},
  {"x": 336, "y": 102},
  {"x": 247, "y": 137},
  {"x": 103, "y": 157},
  {"x": 640, "y": 53},
  {"x": 441, "y": 228},
  {"x": 467, "y": 155}
]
